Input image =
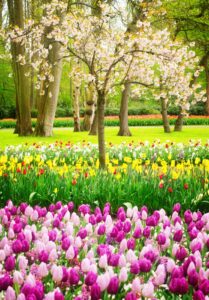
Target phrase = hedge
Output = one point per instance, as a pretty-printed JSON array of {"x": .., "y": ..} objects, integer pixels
[{"x": 115, "y": 122}]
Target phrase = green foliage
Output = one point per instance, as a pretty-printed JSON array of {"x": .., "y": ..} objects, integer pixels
[
  {"x": 138, "y": 189},
  {"x": 115, "y": 122}
]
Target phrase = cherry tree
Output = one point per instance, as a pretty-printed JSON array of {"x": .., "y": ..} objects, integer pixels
[{"x": 115, "y": 56}]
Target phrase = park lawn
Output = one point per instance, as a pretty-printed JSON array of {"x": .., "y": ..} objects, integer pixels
[{"x": 138, "y": 134}]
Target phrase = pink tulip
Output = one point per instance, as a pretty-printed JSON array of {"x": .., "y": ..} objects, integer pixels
[
  {"x": 85, "y": 265},
  {"x": 2, "y": 255},
  {"x": 42, "y": 270},
  {"x": 53, "y": 255},
  {"x": 148, "y": 290},
  {"x": 103, "y": 281},
  {"x": 21, "y": 297},
  {"x": 103, "y": 261},
  {"x": 23, "y": 262},
  {"x": 123, "y": 245},
  {"x": 57, "y": 273},
  {"x": 70, "y": 254},
  {"x": 123, "y": 275},
  {"x": 10, "y": 294},
  {"x": 136, "y": 285},
  {"x": 122, "y": 261},
  {"x": 18, "y": 277},
  {"x": 28, "y": 211}
]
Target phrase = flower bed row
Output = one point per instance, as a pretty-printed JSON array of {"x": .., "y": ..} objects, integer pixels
[
  {"x": 157, "y": 174},
  {"x": 113, "y": 121},
  {"x": 58, "y": 253}
]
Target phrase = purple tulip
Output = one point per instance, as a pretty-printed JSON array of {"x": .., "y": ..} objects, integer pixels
[
  {"x": 5, "y": 282},
  {"x": 65, "y": 274},
  {"x": 84, "y": 209},
  {"x": 92, "y": 219},
  {"x": 25, "y": 246},
  {"x": 151, "y": 221},
  {"x": 43, "y": 256},
  {"x": 204, "y": 286},
  {"x": 161, "y": 239},
  {"x": 95, "y": 292},
  {"x": 150, "y": 255},
  {"x": 131, "y": 244},
  {"x": 193, "y": 278},
  {"x": 114, "y": 260},
  {"x": 200, "y": 225},
  {"x": 27, "y": 289},
  {"x": 65, "y": 244},
  {"x": 17, "y": 227},
  {"x": 17, "y": 246},
  {"x": 177, "y": 207},
  {"x": 179, "y": 286},
  {"x": 38, "y": 290},
  {"x": 145, "y": 265},
  {"x": 101, "y": 229},
  {"x": 181, "y": 253},
  {"x": 58, "y": 296},
  {"x": 9, "y": 263},
  {"x": 70, "y": 206},
  {"x": 198, "y": 295},
  {"x": 91, "y": 278},
  {"x": 82, "y": 233},
  {"x": 74, "y": 277},
  {"x": 137, "y": 233},
  {"x": 114, "y": 232},
  {"x": 127, "y": 226},
  {"x": 177, "y": 272},
  {"x": 130, "y": 296},
  {"x": 188, "y": 216},
  {"x": 134, "y": 269},
  {"x": 99, "y": 218},
  {"x": 146, "y": 232},
  {"x": 178, "y": 235},
  {"x": 113, "y": 285},
  {"x": 52, "y": 235}
]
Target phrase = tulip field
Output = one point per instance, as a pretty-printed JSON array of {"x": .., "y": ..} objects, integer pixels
[{"x": 138, "y": 229}]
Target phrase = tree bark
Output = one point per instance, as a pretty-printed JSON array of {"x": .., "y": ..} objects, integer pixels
[
  {"x": 1, "y": 12},
  {"x": 49, "y": 91},
  {"x": 164, "y": 113},
  {"x": 22, "y": 83},
  {"x": 179, "y": 122},
  {"x": 47, "y": 100},
  {"x": 94, "y": 126},
  {"x": 123, "y": 117},
  {"x": 76, "y": 108},
  {"x": 90, "y": 107},
  {"x": 101, "y": 135},
  {"x": 207, "y": 85}
]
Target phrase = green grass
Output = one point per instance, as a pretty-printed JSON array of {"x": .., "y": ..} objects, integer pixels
[{"x": 139, "y": 134}]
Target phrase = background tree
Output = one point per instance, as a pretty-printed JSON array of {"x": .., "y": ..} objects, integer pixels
[{"x": 20, "y": 68}]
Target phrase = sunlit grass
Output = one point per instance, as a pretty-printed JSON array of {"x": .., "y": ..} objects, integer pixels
[{"x": 138, "y": 134}]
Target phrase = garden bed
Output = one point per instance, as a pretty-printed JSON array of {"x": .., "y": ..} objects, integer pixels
[
  {"x": 57, "y": 252},
  {"x": 143, "y": 120},
  {"x": 156, "y": 174}
]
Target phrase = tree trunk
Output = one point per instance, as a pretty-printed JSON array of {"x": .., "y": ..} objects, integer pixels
[
  {"x": 47, "y": 100},
  {"x": 123, "y": 117},
  {"x": 90, "y": 107},
  {"x": 101, "y": 136},
  {"x": 179, "y": 122},
  {"x": 22, "y": 83},
  {"x": 49, "y": 91},
  {"x": 1, "y": 12},
  {"x": 76, "y": 108},
  {"x": 94, "y": 126},
  {"x": 207, "y": 86},
  {"x": 164, "y": 113}
]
